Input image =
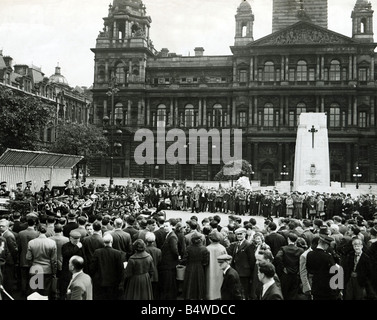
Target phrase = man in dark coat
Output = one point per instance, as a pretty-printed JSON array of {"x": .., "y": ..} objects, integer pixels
[
  {"x": 160, "y": 233},
  {"x": 320, "y": 264},
  {"x": 130, "y": 226},
  {"x": 243, "y": 261},
  {"x": 121, "y": 239},
  {"x": 91, "y": 244},
  {"x": 169, "y": 262},
  {"x": 107, "y": 271},
  {"x": 270, "y": 290},
  {"x": 273, "y": 239},
  {"x": 231, "y": 288},
  {"x": 69, "y": 249},
  {"x": 287, "y": 263},
  {"x": 71, "y": 224}
]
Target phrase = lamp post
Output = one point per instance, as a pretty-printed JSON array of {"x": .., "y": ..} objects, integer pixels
[
  {"x": 110, "y": 125},
  {"x": 251, "y": 173},
  {"x": 357, "y": 175},
  {"x": 284, "y": 172}
]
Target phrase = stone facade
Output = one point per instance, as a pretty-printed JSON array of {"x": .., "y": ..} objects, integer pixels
[{"x": 261, "y": 88}]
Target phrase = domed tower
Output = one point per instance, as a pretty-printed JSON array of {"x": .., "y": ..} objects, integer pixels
[
  {"x": 58, "y": 78},
  {"x": 362, "y": 21},
  {"x": 244, "y": 24},
  {"x": 123, "y": 45}
]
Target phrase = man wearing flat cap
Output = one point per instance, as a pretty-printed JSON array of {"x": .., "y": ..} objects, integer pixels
[
  {"x": 243, "y": 262},
  {"x": 46, "y": 191},
  {"x": 231, "y": 288},
  {"x": 69, "y": 249},
  {"x": 318, "y": 263}
]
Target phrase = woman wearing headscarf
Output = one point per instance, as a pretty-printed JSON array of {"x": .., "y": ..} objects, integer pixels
[
  {"x": 196, "y": 259},
  {"x": 138, "y": 274},
  {"x": 214, "y": 275}
]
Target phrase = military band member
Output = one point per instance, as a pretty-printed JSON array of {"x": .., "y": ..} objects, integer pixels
[
  {"x": 4, "y": 191},
  {"x": 18, "y": 193},
  {"x": 46, "y": 191}
]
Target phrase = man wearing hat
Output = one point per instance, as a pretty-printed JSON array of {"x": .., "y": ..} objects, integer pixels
[
  {"x": 71, "y": 223},
  {"x": 27, "y": 191},
  {"x": 243, "y": 262},
  {"x": 231, "y": 288},
  {"x": 69, "y": 249},
  {"x": 4, "y": 192},
  {"x": 45, "y": 190},
  {"x": 318, "y": 263},
  {"x": 18, "y": 193}
]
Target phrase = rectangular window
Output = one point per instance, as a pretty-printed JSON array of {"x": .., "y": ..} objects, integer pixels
[
  {"x": 311, "y": 74},
  {"x": 277, "y": 75},
  {"x": 291, "y": 74},
  {"x": 334, "y": 120},
  {"x": 326, "y": 74},
  {"x": 363, "y": 74},
  {"x": 167, "y": 80},
  {"x": 183, "y": 80},
  {"x": 225, "y": 119},
  {"x": 362, "y": 119},
  {"x": 242, "y": 119},
  {"x": 243, "y": 76},
  {"x": 223, "y": 79},
  {"x": 291, "y": 119},
  {"x": 194, "y": 79},
  {"x": 344, "y": 74}
]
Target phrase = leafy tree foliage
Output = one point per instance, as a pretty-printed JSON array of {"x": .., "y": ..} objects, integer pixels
[
  {"x": 234, "y": 170},
  {"x": 80, "y": 139},
  {"x": 21, "y": 118}
]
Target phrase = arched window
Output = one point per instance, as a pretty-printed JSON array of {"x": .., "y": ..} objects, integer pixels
[
  {"x": 269, "y": 71},
  {"x": 335, "y": 70},
  {"x": 161, "y": 115},
  {"x": 268, "y": 115},
  {"x": 217, "y": 115},
  {"x": 189, "y": 116},
  {"x": 120, "y": 74},
  {"x": 244, "y": 30},
  {"x": 334, "y": 119},
  {"x": 302, "y": 71},
  {"x": 363, "y": 25}
]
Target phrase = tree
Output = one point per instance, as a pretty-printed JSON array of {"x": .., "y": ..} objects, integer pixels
[
  {"x": 80, "y": 139},
  {"x": 234, "y": 170},
  {"x": 21, "y": 118}
]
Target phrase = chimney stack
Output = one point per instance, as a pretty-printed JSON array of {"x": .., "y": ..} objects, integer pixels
[{"x": 199, "y": 51}]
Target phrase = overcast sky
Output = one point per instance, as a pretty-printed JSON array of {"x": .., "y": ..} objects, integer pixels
[{"x": 45, "y": 32}]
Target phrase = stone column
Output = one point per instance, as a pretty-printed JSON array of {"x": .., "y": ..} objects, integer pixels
[
  {"x": 172, "y": 122},
  {"x": 200, "y": 111},
  {"x": 256, "y": 68},
  {"x": 250, "y": 113},
  {"x": 372, "y": 115},
  {"x": 371, "y": 73},
  {"x": 234, "y": 113},
  {"x": 129, "y": 112},
  {"x": 204, "y": 111},
  {"x": 148, "y": 112},
  {"x": 256, "y": 110},
  {"x": 349, "y": 111},
  {"x": 322, "y": 68},
  {"x": 251, "y": 69},
  {"x": 350, "y": 73},
  {"x": 286, "y": 68},
  {"x": 281, "y": 122},
  {"x": 228, "y": 111},
  {"x": 355, "y": 68},
  {"x": 318, "y": 71},
  {"x": 255, "y": 161},
  {"x": 355, "y": 111},
  {"x": 322, "y": 104},
  {"x": 282, "y": 78}
]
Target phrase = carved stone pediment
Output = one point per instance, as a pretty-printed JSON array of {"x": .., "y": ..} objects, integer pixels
[{"x": 303, "y": 33}]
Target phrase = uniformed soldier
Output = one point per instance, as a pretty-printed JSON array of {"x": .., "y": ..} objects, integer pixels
[
  {"x": 18, "y": 193},
  {"x": 27, "y": 191},
  {"x": 45, "y": 190}
]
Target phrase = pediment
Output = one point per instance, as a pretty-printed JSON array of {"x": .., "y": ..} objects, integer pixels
[{"x": 303, "y": 33}]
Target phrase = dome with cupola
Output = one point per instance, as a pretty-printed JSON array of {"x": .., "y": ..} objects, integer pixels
[
  {"x": 244, "y": 6},
  {"x": 58, "y": 77}
]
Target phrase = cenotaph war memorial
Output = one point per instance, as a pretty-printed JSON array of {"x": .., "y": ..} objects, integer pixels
[{"x": 312, "y": 161}]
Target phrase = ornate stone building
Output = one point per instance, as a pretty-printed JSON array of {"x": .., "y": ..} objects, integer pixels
[
  {"x": 262, "y": 88},
  {"x": 70, "y": 104}
]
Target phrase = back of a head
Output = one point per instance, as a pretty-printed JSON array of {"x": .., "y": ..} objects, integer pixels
[
  {"x": 97, "y": 226},
  {"x": 160, "y": 220},
  {"x": 81, "y": 221},
  {"x": 30, "y": 222},
  {"x": 193, "y": 224},
  {"x": 108, "y": 239},
  {"x": 42, "y": 228},
  {"x": 272, "y": 226},
  {"x": 118, "y": 223},
  {"x": 150, "y": 237},
  {"x": 267, "y": 269},
  {"x": 77, "y": 262},
  {"x": 130, "y": 220},
  {"x": 217, "y": 218},
  {"x": 58, "y": 228},
  {"x": 292, "y": 237},
  {"x": 214, "y": 224},
  {"x": 253, "y": 221},
  {"x": 139, "y": 245},
  {"x": 50, "y": 219}
]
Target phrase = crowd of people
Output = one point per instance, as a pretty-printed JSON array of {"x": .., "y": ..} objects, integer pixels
[{"x": 115, "y": 242}]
